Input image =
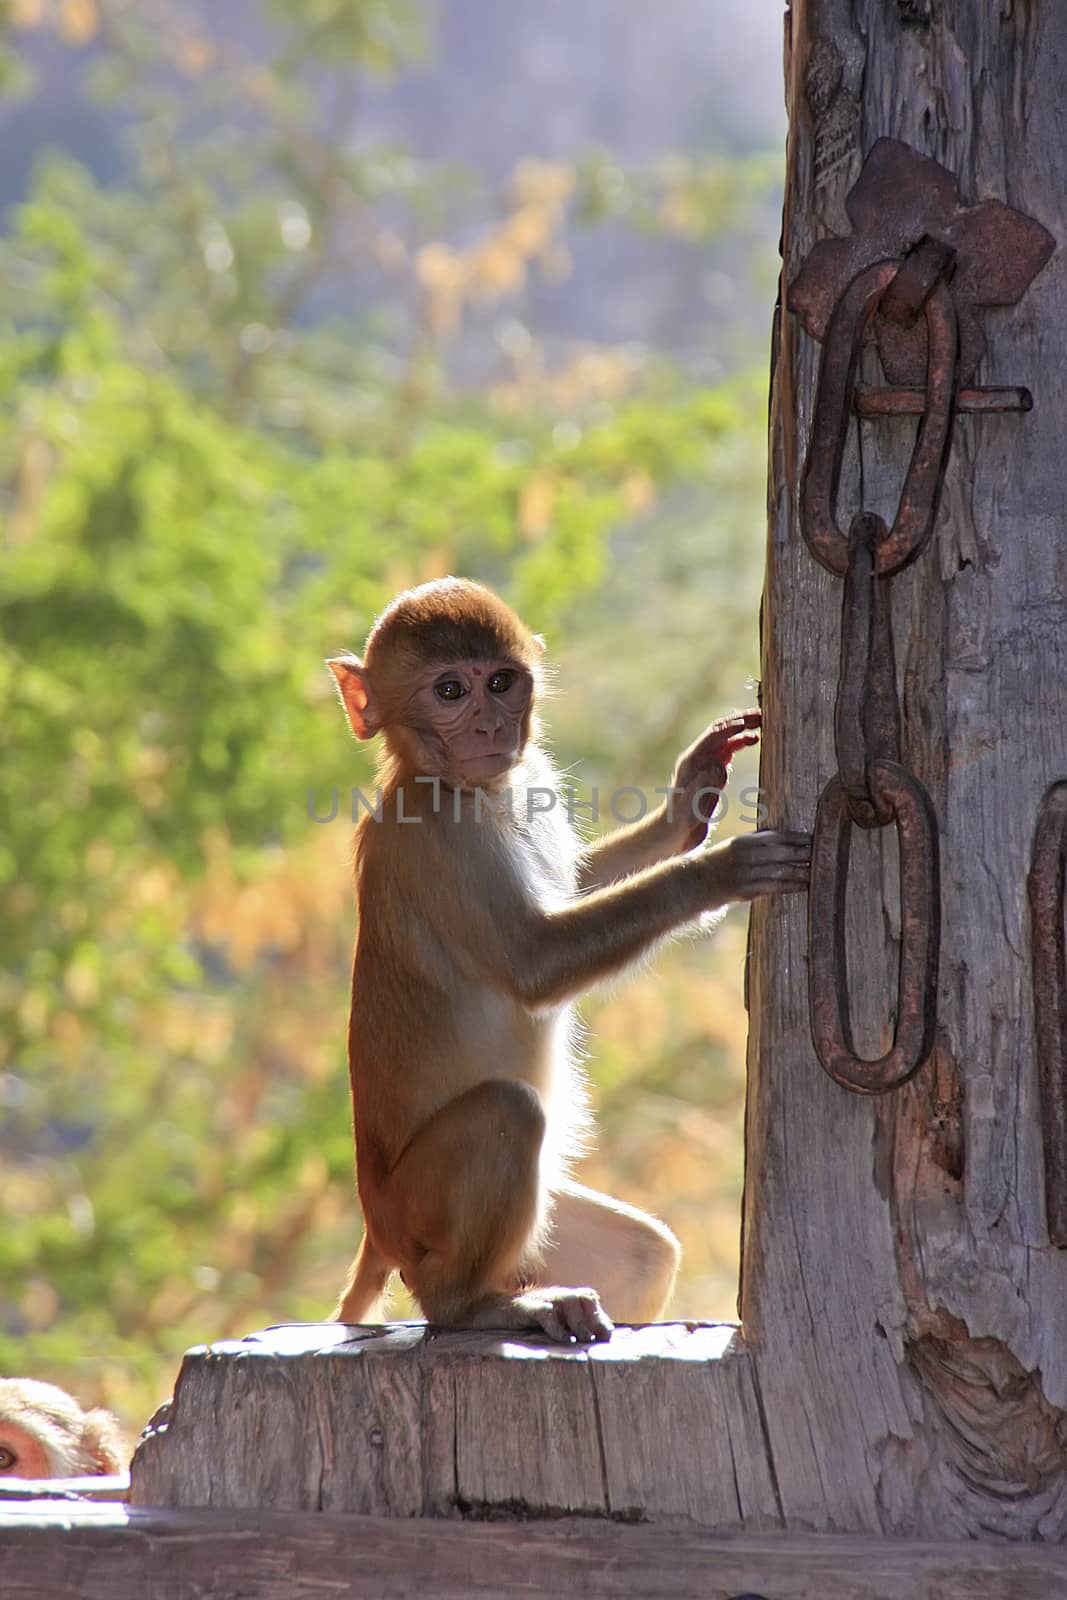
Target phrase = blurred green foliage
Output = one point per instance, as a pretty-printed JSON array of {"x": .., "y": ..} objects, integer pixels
[{"x": 214, "y": 468}]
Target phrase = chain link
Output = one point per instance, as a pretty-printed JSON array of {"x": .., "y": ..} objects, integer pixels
[
  {"x": 917, "y": 509},
  {"x": 1045, "y": 885},
  {"x": 903, "y": 799},
  {"x": 866, "y": 714}
]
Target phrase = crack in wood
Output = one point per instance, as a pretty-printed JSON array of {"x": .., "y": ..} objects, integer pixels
[
  {"x": 765, "y": 1433},
  {"x": 600, "y": 1439}
]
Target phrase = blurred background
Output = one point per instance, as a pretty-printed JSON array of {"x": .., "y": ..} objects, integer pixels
[{"x": 302, "y": 302}]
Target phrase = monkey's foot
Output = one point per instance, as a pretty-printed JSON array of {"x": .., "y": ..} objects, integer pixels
[{"x": 569, "y": 1316}]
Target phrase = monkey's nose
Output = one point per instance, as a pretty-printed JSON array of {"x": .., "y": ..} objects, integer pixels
[{"x": 487, "y": 720}]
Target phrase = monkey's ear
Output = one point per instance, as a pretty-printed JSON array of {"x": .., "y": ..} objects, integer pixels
[
  {"x": 539, "y": 641},
  {"x": 102, "y": 1439},
  {"x": 354, "y": 688}
]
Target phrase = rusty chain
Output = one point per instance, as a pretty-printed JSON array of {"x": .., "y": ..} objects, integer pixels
[
  {"x": 872, "y": 787},
  {"x": 1045, "y": 885},
  {"x": 915, "y": 273}
]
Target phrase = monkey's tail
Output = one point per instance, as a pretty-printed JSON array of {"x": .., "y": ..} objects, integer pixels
[{"x": 361, "y": 1299}]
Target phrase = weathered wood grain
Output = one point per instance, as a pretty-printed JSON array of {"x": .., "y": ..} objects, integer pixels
[
  {"x": 660, "y": 1423},
  {"x": 903, "y": 1311},
  {"x": 122, "y": 1553}
]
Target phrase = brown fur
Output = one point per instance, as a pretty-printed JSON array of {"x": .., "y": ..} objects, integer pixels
[{"x": 450, "y": 619}]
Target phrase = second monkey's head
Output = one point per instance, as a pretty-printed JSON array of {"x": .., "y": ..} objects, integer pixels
[{"x": 449, "y": 678}]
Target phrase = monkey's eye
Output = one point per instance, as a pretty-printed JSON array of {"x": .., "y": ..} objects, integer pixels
[
  {"x": 501, "y": 682},
  {"x": 449, "y": 689},
  {"x": 8, "y": 1458}
]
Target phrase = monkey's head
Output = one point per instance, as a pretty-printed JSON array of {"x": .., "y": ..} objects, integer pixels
[
  {"x": 449, "y": 678},
  {"x": 44, "y": 1433}
]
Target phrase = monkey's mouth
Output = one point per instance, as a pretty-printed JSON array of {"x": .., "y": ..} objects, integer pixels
[{"x": 490, "y": 762}]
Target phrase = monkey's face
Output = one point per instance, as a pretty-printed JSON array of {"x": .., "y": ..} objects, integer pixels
[
  {"x": 22, "y": 1455},
  {"x": 471, "y": 719}
]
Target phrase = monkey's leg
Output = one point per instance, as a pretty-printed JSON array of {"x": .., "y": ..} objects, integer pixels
[
  {"x": 361, "y": 1296},
  {"x": 628, "y": 1256},
  {"x": 460, "y": 1211}
]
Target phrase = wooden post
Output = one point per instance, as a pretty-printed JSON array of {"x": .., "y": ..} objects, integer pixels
[{"x": 904, "y": 1312}]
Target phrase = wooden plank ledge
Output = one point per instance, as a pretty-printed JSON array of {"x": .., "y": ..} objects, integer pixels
[
  {"x": 114, "y": 1552},
  {"x": 660, "y": 1423}
]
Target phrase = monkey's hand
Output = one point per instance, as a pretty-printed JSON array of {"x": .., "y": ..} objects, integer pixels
[
  {"x": 700, "y": 774},
  {"x": 569, "y": 1316},
  {"x": 755, "y": 864}
]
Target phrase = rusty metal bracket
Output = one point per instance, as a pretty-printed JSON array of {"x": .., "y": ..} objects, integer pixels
[
  {"x": 872, "y": 402},
  {"x": 899, "y": 197},
  {"x": 1048, "y": 955}
]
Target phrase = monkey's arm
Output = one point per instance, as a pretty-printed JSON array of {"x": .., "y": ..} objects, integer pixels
[
  {"x": 556, "y": 955},
  {"x": 683, "y": 820},
  {"x": 629, "y": 849}
]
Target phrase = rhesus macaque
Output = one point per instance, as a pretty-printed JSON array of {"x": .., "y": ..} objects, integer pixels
[
  {"x": 44, "y": 1433},
  {"x": 480, "y": 920}
]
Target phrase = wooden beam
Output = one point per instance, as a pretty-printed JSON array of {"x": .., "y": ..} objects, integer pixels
[{"x": 112, "y": 1552}]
